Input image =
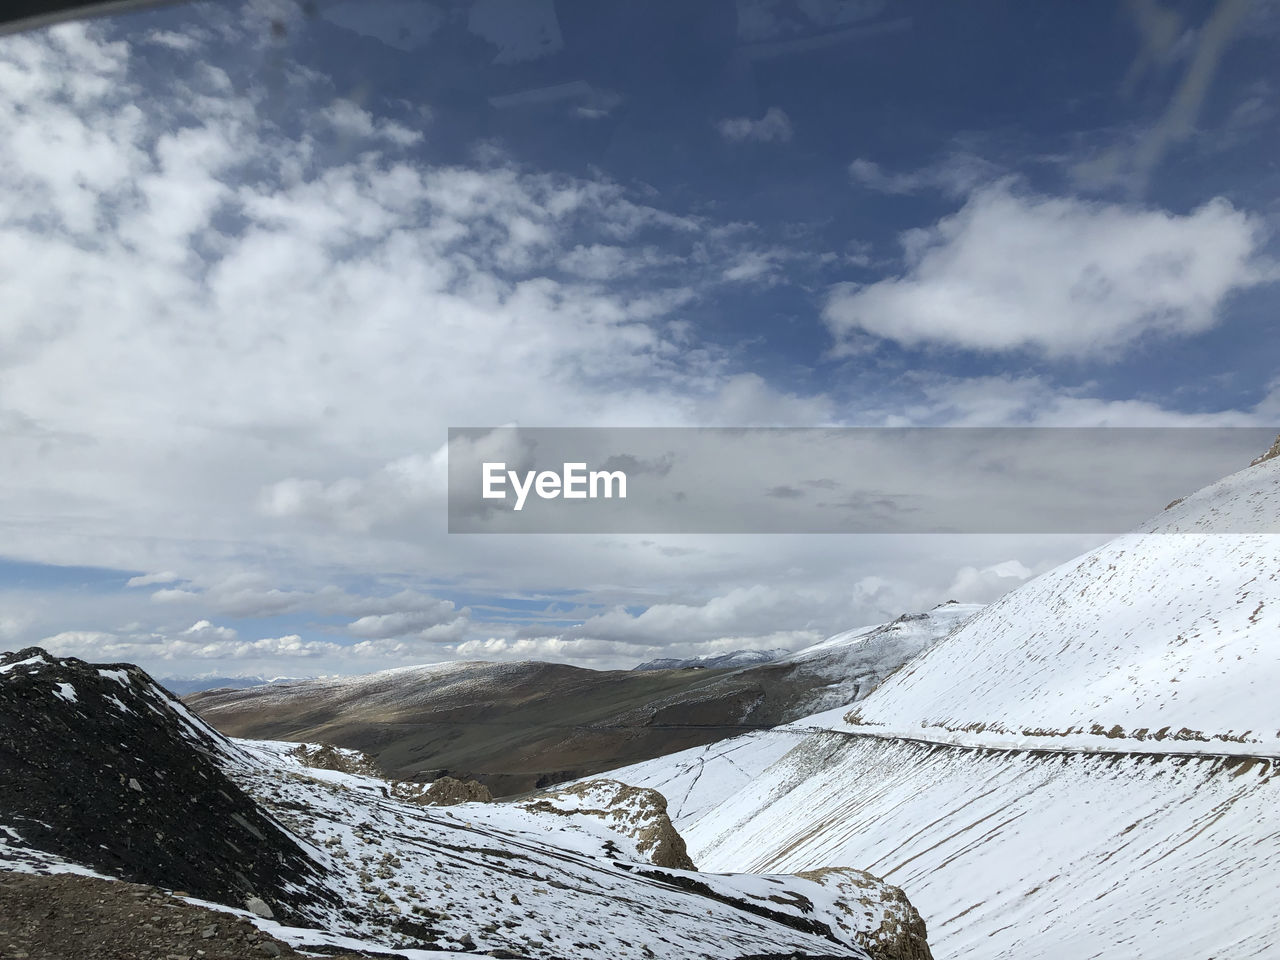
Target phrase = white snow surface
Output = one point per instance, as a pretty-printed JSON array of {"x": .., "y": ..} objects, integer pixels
[
  {"x": 1026, "y": 856},
  {"x": 988, "y": 781},
  {"x": 508, "y": 877},
  {"x": 697, "y": 780},
  {"x": 912, "y": 632},
  {"x": 1165, "y": 634}
]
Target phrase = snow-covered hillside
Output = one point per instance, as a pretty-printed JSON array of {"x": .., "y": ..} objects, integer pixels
[
  {"x": 1025, "y": 856},
  {"x": 1084, "y": 769},
  {"x": 105, "y": 773},
  {"x": 714, "y": 661},
  {"x": 1164, "y": 639},
  {"x": 853, "y": 663},
  {"x": 849, "y": 665}
]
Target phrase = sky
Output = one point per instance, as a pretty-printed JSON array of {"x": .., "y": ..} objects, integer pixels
[{"x": 256, "y": 258}]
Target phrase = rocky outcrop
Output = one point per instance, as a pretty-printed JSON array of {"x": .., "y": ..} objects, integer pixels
[
  {"x": 325, "y": 756},
  {"x": 444, "y": 792},
  {"x": 1270, "y": 454},
  {"x": 103, "y": 768},
  {"x": 636, "y": 812},
  {"x": 877, "y": 914}
]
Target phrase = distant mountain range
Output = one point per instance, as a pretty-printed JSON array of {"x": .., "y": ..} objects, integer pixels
[
  {"x": 521, "y": 726},
  {"x": 721, "y": 661},
  {"x": 185, "y": 685}
]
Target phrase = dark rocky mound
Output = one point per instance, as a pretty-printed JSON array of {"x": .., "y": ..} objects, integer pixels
[
  {"x": 443, "y": 792},
  {"x": 101, "y": 766}
]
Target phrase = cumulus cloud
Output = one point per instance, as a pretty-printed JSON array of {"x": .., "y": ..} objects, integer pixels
[
  {"x": 159, "y": 648},
  {"x": 290, "y": 329},
  {"x": 238, "y": 595},
  {"x": 973, "y": 585},
  {"x": 1059, "y": 276},
  {"x": 773, "y": 127},
  {"x": 350, "y": 120},
  {"x": 240, "y": 316},
  {"x": 441, "y": 622},
  {"x": 206, "y": 631},
  {"x": 758, "y": 616}
]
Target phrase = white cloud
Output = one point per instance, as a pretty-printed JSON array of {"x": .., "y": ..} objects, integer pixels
[
  {"x": 351, "y": 120},
  {"x": 226, "y": 358},
  {"x": 182, "y": 42},
  {"x": 206, "y": 631},
  {"x": 151, "y": 579},
  {"x": 441, "y": 622},
  {"x": 1059, "y": 276},
  {"x": 773, "y": 127},
  {"x": 753, "y": 266},
  {"x": 973, "y": 585},
  {"x": 187, "y": 649}
]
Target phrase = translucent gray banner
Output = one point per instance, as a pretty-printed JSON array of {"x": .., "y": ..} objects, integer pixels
[{"x": 845, "y": 480}]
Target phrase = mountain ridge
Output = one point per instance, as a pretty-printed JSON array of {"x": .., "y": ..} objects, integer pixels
[
  {"x": 1087, "y": 767},
  {"x": 522, "y": 726}
]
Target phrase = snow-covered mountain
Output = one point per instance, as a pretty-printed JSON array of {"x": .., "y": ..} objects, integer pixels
[
  {"x": 716, "y": 661},
  {"x": 185, "y": 685},
  {"x": 105, "y": 773},
  {"x": 1086, "y": 768},
  {"x": 854, "y": 663},
  {"x": 1164, "y": 636}
]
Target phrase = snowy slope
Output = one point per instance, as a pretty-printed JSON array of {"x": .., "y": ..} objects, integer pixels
[
  {"x": 1086, "y": 768},
  {"x": 1020, "y": 856},
  {"x": 853, "y": 663},
  {"x": 482, "y": 876},
  {"x": 695, "y": 781},
  {"x": 1167, "y": 636},
  {"x": 849, "y": 664}
]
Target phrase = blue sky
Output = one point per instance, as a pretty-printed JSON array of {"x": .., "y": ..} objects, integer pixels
[{"x": 260, "y": 256}]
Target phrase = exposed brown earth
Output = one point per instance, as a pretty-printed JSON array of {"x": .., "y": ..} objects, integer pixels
[
  {"x": 518, "y": 727},
  {"x": 66, "y": 917}
]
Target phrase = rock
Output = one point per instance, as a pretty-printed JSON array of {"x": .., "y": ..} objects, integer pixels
[
  {"x": 900, "y": 934},
  {"x": 1270, "y": 454},
  {"x": 209, "y": 932},
  {"x": 636, "y": 812},
  {"x": 259, "y": 907},
  {"x": 325, "y": 756},
  {"x": 82, "y": 770},
  {"x": 269, "y": 948},
  {"x": 443, "y": 792}
]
